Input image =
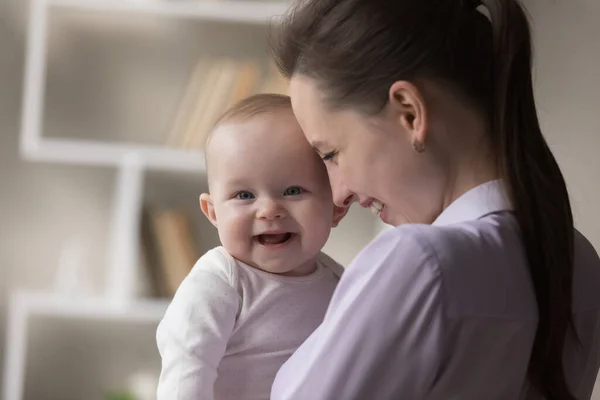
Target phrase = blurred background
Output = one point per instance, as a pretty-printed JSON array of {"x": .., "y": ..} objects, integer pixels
[{"x": 102, "y": 119}]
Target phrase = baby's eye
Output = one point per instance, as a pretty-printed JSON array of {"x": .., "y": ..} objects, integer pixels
[
  {"x": 243, "y": 195},
  {"x": 293, "y": 191}
]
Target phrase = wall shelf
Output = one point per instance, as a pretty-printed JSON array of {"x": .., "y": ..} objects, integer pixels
[
  {"x": 88, "y": 152},
  {"x": 92, "y": 308},
  {"x": 119, "y": 304},
  {"x": 257, "y": 12},
  {"x": 25, "y": 305}
]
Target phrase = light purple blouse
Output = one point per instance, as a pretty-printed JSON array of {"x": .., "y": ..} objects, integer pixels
[{"x": 442, "y": 311}]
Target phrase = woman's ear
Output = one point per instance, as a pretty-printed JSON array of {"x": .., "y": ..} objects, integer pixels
[
  {"x": 208, "y": 209},
  {"x": 338, "y": 214},
  {"x": 408, "y": 107}
]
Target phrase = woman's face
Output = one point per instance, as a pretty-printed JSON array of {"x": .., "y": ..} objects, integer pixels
[{"x": 371, "y": 159}]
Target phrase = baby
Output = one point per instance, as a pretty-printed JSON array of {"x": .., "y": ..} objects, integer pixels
[{"x": 246, "y": 306}]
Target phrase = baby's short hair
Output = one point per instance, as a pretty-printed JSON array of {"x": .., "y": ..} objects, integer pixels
[
  {"x": 248, "y": 108},
  {"x": 255, "y": 105}
]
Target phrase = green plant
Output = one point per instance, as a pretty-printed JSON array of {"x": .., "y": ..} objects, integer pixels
[{"x": 120, "y": 396}]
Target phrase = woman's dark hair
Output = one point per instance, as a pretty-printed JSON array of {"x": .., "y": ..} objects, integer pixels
[{"x": 355, "y": 50}]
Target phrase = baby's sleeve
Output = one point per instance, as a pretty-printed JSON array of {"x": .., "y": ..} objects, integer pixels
[{"x": 193, "y": 334}]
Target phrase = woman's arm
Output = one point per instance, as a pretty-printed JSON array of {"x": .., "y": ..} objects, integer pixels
[
  {"x": 382, "y": 337},
  {"x": 193, "y": 335}
]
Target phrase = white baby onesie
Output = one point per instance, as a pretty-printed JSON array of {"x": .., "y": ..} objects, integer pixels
[{"x": 230, "y": 327}]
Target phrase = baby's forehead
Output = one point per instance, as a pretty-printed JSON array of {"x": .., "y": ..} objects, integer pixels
[
  {"x": 247, "y": 126},
  {"x": 270, "y": 149},
  {"x": 261, "y": 133},
  {"x": 262, "y": 144},
  {"x": 269, "y": 172}
]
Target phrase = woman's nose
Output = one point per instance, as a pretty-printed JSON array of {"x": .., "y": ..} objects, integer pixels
[{"x": 342, "y": 196}]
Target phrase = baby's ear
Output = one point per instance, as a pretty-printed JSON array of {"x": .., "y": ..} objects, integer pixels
[
  {"x": 338, "y": 214},
  {"x": 208, "y": 209}
]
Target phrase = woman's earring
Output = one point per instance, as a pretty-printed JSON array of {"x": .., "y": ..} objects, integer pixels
[{"x": 418, "y": 146}]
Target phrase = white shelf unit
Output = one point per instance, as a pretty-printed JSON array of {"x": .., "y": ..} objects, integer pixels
[
  {"x": 34, "y": 147},
  {"x": 69, "y": 151},
  {"x": 27, "y": 306},
  {"x": 119, "y": 303},
  {"x": 244, "y": 11}
]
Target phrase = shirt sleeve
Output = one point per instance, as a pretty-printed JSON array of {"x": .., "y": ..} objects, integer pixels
[
  {"x": 382, "y": 336},
  {"x": 193, "y": 335}
]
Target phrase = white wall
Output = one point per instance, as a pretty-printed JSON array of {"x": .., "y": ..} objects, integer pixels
[
  {"x": 41, "y": 206},
  {"x": 357, "y": 229},
  {"x": 567, "y": 83}
]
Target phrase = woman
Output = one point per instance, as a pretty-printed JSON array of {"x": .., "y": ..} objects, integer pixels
[{"x": 424, "y": 110}]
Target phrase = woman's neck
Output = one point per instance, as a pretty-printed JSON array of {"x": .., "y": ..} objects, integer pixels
[{"x": 467, "y": 146}]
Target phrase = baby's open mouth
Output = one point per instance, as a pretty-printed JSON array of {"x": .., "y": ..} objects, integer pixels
[{"x": 269, "y": 239}]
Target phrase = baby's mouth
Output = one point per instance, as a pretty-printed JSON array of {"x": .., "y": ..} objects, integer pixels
[{"x": 269, "y": 239}]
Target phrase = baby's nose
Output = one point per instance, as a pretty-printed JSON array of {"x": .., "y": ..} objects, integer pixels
[{"x": 270, "y": 209}]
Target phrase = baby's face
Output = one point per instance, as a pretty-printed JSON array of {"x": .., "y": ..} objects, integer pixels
[{"x": 270, "y": 192}]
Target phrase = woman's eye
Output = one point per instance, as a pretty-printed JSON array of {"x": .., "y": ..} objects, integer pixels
[
  {"x": 293, "y": 191},
  {"x": 244, "y": 196},
  {"x": 329, "y": 156}
]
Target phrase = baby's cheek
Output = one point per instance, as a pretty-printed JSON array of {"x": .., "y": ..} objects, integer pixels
[
  {"x": 321, "y": 220},
  {"x": 234, "y": 230},
  {"x": 325, "y": 210}
]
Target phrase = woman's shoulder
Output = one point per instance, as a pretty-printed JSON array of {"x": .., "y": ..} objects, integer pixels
[
  {"x": 473, "y": 263},
  {"x": 404, "y": 250},
  {"x": 493, "y": 233},
  {"x": 584, "y": 250},
  {"x": 586, "y": 279},
  {"x": 428, "y": 249},
  {"x": 409, "y": 240},
  {"x": 399, "y": 267}
]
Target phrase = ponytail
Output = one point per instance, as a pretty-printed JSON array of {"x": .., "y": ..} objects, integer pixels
[{"x": 538, "y": 192}]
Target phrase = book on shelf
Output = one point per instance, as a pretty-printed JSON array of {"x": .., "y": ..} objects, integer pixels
[
  {"x": 189, "y": 99},
  {"x": 214, "y": 85},
  {"x": 218, "y": 90},
  {"x": 169, "y": 248}
]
